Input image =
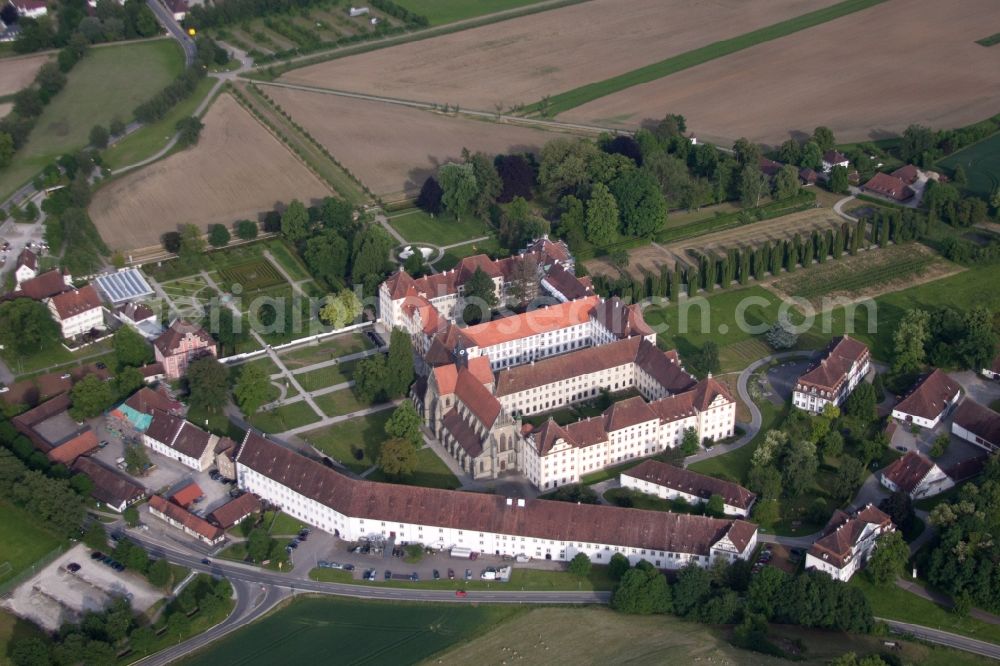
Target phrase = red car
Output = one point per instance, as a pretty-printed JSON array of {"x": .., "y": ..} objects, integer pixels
[{"x": 461, "y": 593}]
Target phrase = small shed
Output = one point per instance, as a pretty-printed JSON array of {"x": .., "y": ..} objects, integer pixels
[{"x": 358, "y": 11}]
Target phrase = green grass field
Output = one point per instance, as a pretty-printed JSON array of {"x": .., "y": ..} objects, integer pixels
[
  {"x": 24, "y": 542},
  {"x": 992, "y": 40},
  {"x": 447, "y": 11},
  {"x": 419, "y": 227},
  {"x": 328, "y": 376},
  {"x": 456, "y": 254},
  {"x": 325, "y": 350},
  {"x": 284, "y": 418},
  {"x": 895, "y": 603},
  {"x": 535, "y": 580},
  {"x": 342, "y": 440},
  {"x": 287, "y": 259},
  {"x": 431, "y": 472},
  {"x": 981, "y": 162},
  {"x": 152, "y": 138},
  {"x": 355, "y": 631},
  {"x": 110, "y": 81},
  {"x": 572, "y": 98},
  {"x": 284, "y": 525},
  {"x": 339, "y": 403}
]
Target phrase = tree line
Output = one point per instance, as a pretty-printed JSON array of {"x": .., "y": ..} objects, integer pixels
[
  {"x": 111, "y": 22},
  {"x": 209, "y": 53},
  {"x": 104, "y": 637},
  {"x": 29, "y": 102},
  {"x": 728, "y": 593},
  {"x": 962, "y": 559}
]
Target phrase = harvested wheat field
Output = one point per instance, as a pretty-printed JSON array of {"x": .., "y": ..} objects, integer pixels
[
  {"x": 238, "y": 170},
  {"x": 391, "y": 148},
  {"x": 16, "y": 73},
  {"x": 524, "y": 59},
  {"x": 866, "y": 75}
]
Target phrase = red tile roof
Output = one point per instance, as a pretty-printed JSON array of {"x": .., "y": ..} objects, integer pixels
[
  {"x": 770, "y": 168},
  {"x": 533, "y": 322},
  {"x": 76, "y": 302},
  {"x": 551, "y": 250},
  {"x": 626, "y": 413},
  {"x": 662, "y": 366},
  {"x": 477, "y": 398},
  {"x": 187, "y": 495},
  {"x": 463, "y": 433},
  {"x": 185, "y": 517},
  {"x": 567, "y": 284},
  {"x": 147, "y": 400},
  {"x": 44, "y": 286},
  {"x": 889, "y": 186},
  {"x": 908, "y": 174},
  {"x": 692, "y": 483},
  {"x": 831, "y": 371},
  {"x": 192, "y": 441},
  {"x": 834, "y": 157},
  {"x": 73, "y": 448},
  {"x": 480, "y": 512},
  {"x": 930, "y": 396},
  {"x": 907, "y": 472},
  {"x": 110, "y": 486},
  {"x": 446, "y": 376},
  {"x": 622, "y": 320},
  {"x": 233, "y": 512},
  {"x": 170, "y": 341},
  {"x": 842, "y": 533},
  {"x": 136, "y": 311},
  {"x": 979, "y": 420},
  {"x": 27, "y": 258}
]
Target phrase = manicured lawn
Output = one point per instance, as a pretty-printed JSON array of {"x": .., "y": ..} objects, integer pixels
[
  {"x": 110, "y": 81},
  {"x": 894, "y": 603},
  {"x": 340, "y": 402},
  {"x": 981, "y": 162},
  {"x": 284, "y": 418},
  {"x": 344, "y": 440},
  {"x": 332, "y": 575},
  {"x": 447, "y": 11},
  {"x": 24, "y": 541},
  {"x": 609, "y": 472},
  {"x": 578, "y": 96},
  {"x": 456, "y": 254},
  {"x": 218, "y": 422},
  {"x": 639, "y": 500},
  {"x": 355, "y": 631},
  {"x": 283, "y": 524},
  {"x": 55, "y": 356},
  {"x": 431, "y": 472},
  {"x": 150, "y": 139},
  {"x": 419, "y": 227},
  {"x": 325, "y": 350},
  {"x": 288, "y": 259},
  {"x": 264, "y": 363},
  {"x": 328, "y": 376},
  {"x": 735, "y": 464},
  {"x": 688, "y": 325}
]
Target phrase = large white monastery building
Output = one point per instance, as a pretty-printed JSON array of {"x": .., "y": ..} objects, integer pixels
[{"x": 477, "y": 382}]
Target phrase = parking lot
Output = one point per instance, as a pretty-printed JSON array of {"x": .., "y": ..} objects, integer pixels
[
  {"x": 56, "y": 595},
  {"x": 167, "y": 475}
]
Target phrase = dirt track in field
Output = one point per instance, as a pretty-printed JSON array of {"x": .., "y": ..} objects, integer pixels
[
  {"x": 521, "y": 60},
  {"x": 16, "y": 73},
  {"x": 238, "y": 170},
  {"x": 649, "y": 258},
  {"x": 866, "y": 75},
  {"x": 392, "y": 149}
]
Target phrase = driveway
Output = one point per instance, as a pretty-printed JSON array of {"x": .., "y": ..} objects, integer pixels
[{"x": 782, "y": 379}]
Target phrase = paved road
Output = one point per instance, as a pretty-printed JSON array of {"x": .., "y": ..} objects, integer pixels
[
  {"x": 945, "y": 638},
  {"x": 166, "y": 19},
  {"x": 756, "y": 420}
]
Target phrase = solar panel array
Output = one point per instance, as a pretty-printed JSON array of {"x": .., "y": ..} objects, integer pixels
[{"x": 124, "y": 286}]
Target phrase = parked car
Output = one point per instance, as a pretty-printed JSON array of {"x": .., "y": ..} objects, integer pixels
[
  {"x": 118, "y": 566},
  {"x": 371, "y": 574},
  {"x": 437, "y": 575},
  {"x": 451, "y": 574},
  {"x": 97, "y": 555},
  {"x": 348, "y": 567},
  {"x": 388, "y": 574},
  {"x": 293, "y": 544},
  {"x": 73, "y": 567},
  {"x": 206, "y": 561},
  {"x": 461, "y": 593},
  {"x": 414, "y": 577},
  {"x": 468, "y": 574}
]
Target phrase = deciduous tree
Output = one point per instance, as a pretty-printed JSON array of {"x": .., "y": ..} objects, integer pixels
[
  {"x": 252, "y": 390},
  {"x": 295, "y": 222},
  {"x": 26, "y": 326},
  {"x": 405, "y": 424},
  {"x": 90, "y": 397},
  {"x": 218, "y": 235},
  {"x": 890, "y": 557},
  {"x": 430, "y": 196},
  {"x": 397, "y": 457},
  {"x": 602, "y": 216},
  {"x": 641, "y": 205},
  {"x": 208, "y": 383},
  {"x": 459, "y": 188}
]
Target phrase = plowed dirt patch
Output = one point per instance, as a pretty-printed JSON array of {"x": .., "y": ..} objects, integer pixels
[
  {"x": 522, "y": 60},
  {"x": 238, "y": 170},
  {"x": 392, "y": 149},
  {"x": 866, "y": 75}
]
